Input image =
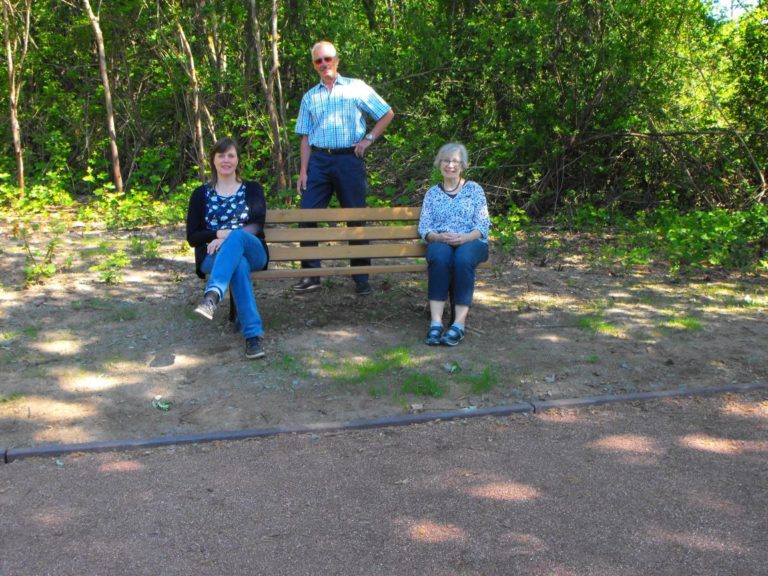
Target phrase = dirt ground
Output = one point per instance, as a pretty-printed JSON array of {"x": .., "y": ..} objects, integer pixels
[{"x": 83, "y": 359}]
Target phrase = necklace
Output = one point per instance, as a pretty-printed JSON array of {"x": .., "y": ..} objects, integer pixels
[
  {"x": 227, "y": 190},
  {"x": 458, "y": 184}
]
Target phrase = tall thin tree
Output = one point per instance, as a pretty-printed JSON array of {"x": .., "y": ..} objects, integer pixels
[
  {"x": 16, "y": 45},
  {"x": 194, "y": 86},
  {"x": 116, "y": 173},
  {"x": 268, "y": 88}
]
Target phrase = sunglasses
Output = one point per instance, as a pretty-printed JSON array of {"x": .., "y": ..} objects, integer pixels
[{"x": 325, "y": 59}]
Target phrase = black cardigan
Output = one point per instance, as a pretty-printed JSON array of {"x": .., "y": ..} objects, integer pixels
[{"x": 198, "y": 235}]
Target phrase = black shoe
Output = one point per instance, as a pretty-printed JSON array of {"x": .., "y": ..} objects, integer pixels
[
  {"x": 362, "y": 288},
  {"x": 206, "y": 308},
  {"x": 253, "y": 347},
  {"x": 307, "y": 284}
]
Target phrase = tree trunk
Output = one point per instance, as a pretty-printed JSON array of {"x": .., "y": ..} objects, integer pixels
[
  {"x": 117, "y": 175},
  {"x": 268, "y": 87},
  {"x": 195, "y": 88},
  {"x": 14, "y": 87}
]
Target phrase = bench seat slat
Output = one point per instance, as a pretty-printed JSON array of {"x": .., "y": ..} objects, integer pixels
[
  {"x": 345, "y": 252},
  {"x": 408, "y": 232},
  {"x": 274, "y": 273}
]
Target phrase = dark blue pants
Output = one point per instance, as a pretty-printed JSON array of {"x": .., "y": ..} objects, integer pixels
[
  {"x": 457, "y": 263},
  {"x": 344, "y": 175}
]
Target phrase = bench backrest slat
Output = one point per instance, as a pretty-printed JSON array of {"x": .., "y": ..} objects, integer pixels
[
  {"x": 336, "y": 233},
  {"x": 292, "y": 215}
]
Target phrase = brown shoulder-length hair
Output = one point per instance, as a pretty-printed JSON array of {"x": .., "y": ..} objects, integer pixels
[{"x": 221, "y": 146}]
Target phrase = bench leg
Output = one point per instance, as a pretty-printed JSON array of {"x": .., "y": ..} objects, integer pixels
[{"x": 232, "y": 308}]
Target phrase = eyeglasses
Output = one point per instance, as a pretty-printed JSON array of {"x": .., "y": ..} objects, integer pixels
[
  {"x": 446, "y": 162},
  {"x": 325, "y": 59}
]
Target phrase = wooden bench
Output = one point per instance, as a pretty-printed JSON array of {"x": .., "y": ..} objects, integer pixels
[
  {"x": 392, "y": 233},
  {"x": 394, "y": 242}
]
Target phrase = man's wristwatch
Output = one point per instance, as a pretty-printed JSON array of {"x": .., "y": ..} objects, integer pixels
[{"x": 369, "y": 137}]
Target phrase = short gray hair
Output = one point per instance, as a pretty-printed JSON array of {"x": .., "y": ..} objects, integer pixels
[
  {"x": 317, "y": 45},
  {"x": 450, "y": 149}
]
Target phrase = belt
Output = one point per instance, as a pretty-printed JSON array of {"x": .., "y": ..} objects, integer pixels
[{"x": 334, "y": 151}]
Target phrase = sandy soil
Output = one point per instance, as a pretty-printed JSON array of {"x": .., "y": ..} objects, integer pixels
[{"x": 84, "y": 359}]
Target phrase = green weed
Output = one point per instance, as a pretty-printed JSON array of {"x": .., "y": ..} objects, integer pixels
[
  {"x": 111, "y": 269},
  {"x": 145, "y": 247},
  {"x": 39, "y": 266},
  {"x": 422, "y": 385},
  {"x": 481, "y": 383}
]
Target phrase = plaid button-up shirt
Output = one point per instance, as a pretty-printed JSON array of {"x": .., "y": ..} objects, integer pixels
[{"x": 336, "y": 118}]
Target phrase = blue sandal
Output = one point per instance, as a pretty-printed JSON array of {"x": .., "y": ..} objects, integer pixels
[
  {"x": 433, "y": 336},
  {"x": 452, "y": 336}
]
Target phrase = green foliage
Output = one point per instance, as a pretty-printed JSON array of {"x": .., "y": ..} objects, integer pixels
[
  {"x": 693, "y": 241},
  {"x": 626, "y": 104},
  {"x": 111, "y": 268},
  {"x": 505, "y": 227},
  {"x": 145, "y": 247}
]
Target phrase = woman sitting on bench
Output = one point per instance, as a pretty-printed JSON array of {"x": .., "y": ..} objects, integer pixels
[
  {"x": 454, "y": 222},
  {"x": 225, "y": 225}
]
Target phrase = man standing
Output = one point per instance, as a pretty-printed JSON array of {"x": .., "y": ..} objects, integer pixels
[{"x": 334, "y": 139}]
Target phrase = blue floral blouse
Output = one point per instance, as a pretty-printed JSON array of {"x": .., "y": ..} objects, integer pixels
[{"x": 459, "y": 214}]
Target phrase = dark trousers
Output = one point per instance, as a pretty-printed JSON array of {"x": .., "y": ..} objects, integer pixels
[{"x": 344, "y": 175}]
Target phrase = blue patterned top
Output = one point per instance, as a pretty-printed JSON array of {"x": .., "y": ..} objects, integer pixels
[
  {"x": 225, "y": 212},
  {"x": 459, "y": 214},
  {"x": 334, "y": 118}
]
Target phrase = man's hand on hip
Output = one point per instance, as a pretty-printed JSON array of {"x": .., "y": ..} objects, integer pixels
[{"x": 361, "y": 147}]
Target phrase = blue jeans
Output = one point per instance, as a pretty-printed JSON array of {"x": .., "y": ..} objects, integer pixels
[
  {"x": 446, "y": 262},
  {"x": 345, "y": 175},
  {"x": 239, "y": 255}
]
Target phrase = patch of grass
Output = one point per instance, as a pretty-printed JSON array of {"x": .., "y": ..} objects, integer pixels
[
  {"x": 422, "y": 385},
  {"x": 384, "y": 362},
  {"x": 592, "y": 359},
  {"x": 483, "y": 382},
  {"x": 93, "y": 304},
  {"x": 741, "y": 302},
  {"x": 289, "y": 364},
  {"x": 12, "y": 397},
  {"x": 124, "y": 314},
  {"x": 595, "y": 323},
  {"x": 682, "y": 323},
  {"x": 8, "y": 336},
  {"x": 31, "y": 331},
  {"x": 377, "y": 391}
]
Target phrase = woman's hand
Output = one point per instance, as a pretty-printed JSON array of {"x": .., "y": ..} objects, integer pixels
[
  {"x": 454, "y": 239},
  {"x": 215, "y": 245}
]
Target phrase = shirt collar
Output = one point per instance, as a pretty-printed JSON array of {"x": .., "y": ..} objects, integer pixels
[{"x": 340, "y": 80}]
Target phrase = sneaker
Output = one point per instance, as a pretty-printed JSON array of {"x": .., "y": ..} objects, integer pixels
[
  {"x": 307, "y": 284},
  {"x": 452, "y": 336},
  {"x": 433, "y": 336},
  {"x": 253, "y": 347},
  {"x": 362, "y": 288},
  {"x": 206, "y": 308}
]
